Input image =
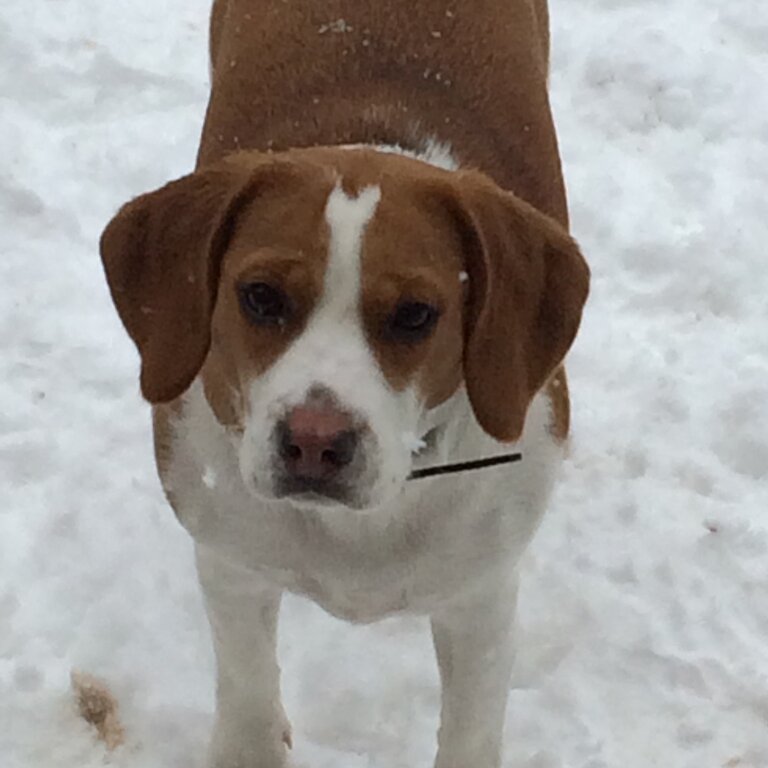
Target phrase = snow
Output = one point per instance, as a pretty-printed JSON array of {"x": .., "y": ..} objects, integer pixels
[
  {"x": 413, "y": 443},
  {"x": 644, "y": 608}
]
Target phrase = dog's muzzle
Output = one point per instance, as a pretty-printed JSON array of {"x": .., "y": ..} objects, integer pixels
[{"x": 319, "y": 453}]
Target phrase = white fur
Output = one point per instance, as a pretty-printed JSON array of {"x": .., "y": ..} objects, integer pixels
[
  {"x": 435, "y": 153},
  {"x": 447, "y": 547}
]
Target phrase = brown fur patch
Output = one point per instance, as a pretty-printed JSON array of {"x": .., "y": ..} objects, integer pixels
[
  {"x": 163, "y": 418},
  {"x": 163, "y": 255},
  {"x": 282, "y": 240},
  {"x": 98, "y": 707},
  {"x": 320, "y": 73},
  {"x": 529, "y": 283},
  {"x": 557, "y": 392},
  {"x": 412, "y": 252}
]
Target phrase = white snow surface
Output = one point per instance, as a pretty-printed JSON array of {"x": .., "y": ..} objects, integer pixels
[{"x": 644, "y": 608}]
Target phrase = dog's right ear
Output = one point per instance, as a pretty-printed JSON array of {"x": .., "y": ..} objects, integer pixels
[{"x": 162, "y": 256}]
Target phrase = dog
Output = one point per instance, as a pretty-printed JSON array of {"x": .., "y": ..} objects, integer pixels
[{"x": 368, "y": 272}]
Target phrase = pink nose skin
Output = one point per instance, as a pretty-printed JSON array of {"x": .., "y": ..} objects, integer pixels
[{"x": 317, "y": 442}]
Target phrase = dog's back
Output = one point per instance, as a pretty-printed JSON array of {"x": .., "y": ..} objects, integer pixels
[{"x": 469, "y": 74}]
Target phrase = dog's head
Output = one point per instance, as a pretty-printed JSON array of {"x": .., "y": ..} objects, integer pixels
[{"x": 330, "y": 299}]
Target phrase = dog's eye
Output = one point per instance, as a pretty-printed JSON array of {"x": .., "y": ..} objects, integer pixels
[
  {"x": 263, "y": 304},
  {"x": 412, "y": 321}
]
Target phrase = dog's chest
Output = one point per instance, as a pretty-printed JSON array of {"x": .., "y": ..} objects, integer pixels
[
  {"x": 356, "y": 567},
  {"x": 438, "y": 540}
]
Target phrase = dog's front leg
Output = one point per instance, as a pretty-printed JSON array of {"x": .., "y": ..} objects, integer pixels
[
  {"x": 251, "y": 730},
  {"x": 475, "y": 651}
]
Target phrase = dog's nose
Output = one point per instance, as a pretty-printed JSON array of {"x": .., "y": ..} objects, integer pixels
[{"x": 316, "y": 443}]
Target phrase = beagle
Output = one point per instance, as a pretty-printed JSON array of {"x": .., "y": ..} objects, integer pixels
[{"x": 368, "y": 273}]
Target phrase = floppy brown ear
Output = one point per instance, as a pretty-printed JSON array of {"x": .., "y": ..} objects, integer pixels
[
  {"x": 162, "y": 255},
  {"x": 528, "y": 285}
]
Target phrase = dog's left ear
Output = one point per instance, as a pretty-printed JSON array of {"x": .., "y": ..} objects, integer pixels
[{"x": 528, "y": 285}]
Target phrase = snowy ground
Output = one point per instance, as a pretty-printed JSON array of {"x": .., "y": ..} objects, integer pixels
[{"x": 645, "y": 601}]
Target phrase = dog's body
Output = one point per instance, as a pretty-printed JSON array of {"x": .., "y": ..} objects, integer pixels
[
  {"x": 469, "y": 75},
  {"x": 306, "y": 316}
]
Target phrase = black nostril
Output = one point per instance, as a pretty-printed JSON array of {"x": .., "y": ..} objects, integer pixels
[
  {"x": 292, "y": 452},
  {"x": 342, "y": 450},
  {"x": 288, "y": 449}
]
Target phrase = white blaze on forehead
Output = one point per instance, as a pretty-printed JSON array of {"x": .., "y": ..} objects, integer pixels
[
  {"x": 332, "y": 352},
  {"x": 347, "y": 219}
]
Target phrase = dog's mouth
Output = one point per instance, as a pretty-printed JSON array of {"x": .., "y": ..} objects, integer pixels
[{"x": 311, "y": 492}]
